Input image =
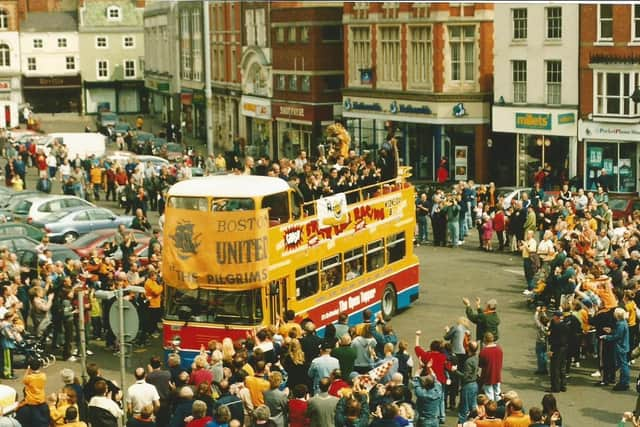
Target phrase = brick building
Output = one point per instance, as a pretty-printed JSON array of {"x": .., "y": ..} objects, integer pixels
[
  {"x": 307, "y": 75},
  {"x": 423, "y": 72},
  {"x": 608, "y": 130}
]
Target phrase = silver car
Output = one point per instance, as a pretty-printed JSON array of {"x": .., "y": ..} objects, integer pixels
[
  {"x": 35, "y": 208},
  {"x": 66, "y": 226}
]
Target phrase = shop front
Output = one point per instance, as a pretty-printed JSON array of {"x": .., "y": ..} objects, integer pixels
[
  {"x": 300, "y": 127},
  {"x": 257, "y": 114},
  {"x": 53, "y": 94},
  {"x": 426, "y": 133},
  {"x": 611, "y": 149},
  {"x": 193, "y": 107},
  {"x": 160, "y": 99},
  {"x": 118, "y": 96},
  {"x": 526, "y": 140},
  {"x": 9, "y": 114}
]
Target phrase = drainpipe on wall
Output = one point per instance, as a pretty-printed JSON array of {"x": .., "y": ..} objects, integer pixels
[{"x": 207, "y": 76}]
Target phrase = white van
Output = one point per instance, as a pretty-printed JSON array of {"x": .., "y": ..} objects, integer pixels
[{"x": 82, "y": 143}]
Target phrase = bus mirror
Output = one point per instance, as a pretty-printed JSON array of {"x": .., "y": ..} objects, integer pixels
[
  {"x": 274, "y": 289},
  {"x": 184, "y": 313}
]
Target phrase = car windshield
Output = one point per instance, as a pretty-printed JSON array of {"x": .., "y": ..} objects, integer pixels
[
  {"x": 108, "y": 117},
  {"x": 618, "y": 204},
  {"x": 214, "y": 306}
]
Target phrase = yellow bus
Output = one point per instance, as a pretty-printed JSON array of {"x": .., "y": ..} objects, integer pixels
[{"x": 238, "y": 253}]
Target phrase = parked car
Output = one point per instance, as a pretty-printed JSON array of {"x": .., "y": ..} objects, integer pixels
[
  {"x": 17, "y": 243},
  {"x": 8, "y": 200},
  {"x": 15, "y": 229},
  {"x": 120, "y": 128},
  {"x": 622, "y": 207},
  {"x": 157, "y": 162},
  {"x": 28, "y": 257},
  {"x": 104, "y": 120},
  {"x": 37, "y": 207},
  {"x": 96, "y": 240},
  {"x": 66, "y": 226},
  {"x": 511, "y": 193}
]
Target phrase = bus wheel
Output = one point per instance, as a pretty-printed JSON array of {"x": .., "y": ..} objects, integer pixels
[{"x": 389, "y": 302}]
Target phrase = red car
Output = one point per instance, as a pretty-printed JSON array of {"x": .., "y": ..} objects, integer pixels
[
  {"x": 96, "y": 240},
  {"x": 622, "y": 207}
]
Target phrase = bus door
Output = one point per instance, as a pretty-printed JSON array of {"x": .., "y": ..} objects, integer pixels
[{"x": 277, "y": 296}]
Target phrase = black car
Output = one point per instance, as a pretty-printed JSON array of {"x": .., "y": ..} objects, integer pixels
[
  {"x": 29, "y": 258},
  {"x": 17, "y": 243}
]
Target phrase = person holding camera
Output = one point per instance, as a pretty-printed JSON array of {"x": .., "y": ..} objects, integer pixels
[{"x": 452, "y": 213}]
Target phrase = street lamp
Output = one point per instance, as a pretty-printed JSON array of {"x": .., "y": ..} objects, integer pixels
[{"x": 543, "y": 142}]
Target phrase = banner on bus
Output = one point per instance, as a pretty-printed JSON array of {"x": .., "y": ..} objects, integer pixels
[
  {"x": 215, "y": 248},
  {"x": 332, "y": 209}
]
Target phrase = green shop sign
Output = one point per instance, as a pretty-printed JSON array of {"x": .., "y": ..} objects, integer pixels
[
  {"x": 533, "y": 121},
  {"x": 566, "y": 118}
]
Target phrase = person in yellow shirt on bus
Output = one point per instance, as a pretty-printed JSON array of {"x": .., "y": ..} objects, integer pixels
[
  {"x": 96, "y": 180},
  {"x": 153, "y": 292}
]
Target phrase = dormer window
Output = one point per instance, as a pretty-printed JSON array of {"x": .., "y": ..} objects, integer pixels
[{"x": 114, "y": 13}]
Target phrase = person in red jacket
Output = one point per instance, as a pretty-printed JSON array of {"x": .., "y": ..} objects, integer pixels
[
  {"x": 439, "y": 364},
  {"x": 490, "y": 364},
  {"x": 298, "y": 407},
  {"x": 499, "y": 224}
]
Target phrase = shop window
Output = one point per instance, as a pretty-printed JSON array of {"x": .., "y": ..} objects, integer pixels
[
  {"x": 331, "y": 274},
  {"x": 519, "y": 25},
  {"x": 519, "y": 72},
  {"x": 306, "y": 281},
  {"x": 396, "y": 247},
  {"x": 353, "y": 263},
  {"x": 617, "y": 160},
  {"x": 293, "y": 83},
  {"x": 375, "y": 255},
  {"x": 305, "y": 84},
  {"x": 5, "y": 55},
  {"x": 554, "y": 22},
  {"x": 605, "y": 22},
  {"x": 332, "y": 33},
  {"x": 4, "y": 19},
  {"x": 304, "y": 34}
]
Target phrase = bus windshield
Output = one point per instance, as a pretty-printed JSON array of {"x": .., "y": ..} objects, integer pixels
[{"x": 214, "y": 306}]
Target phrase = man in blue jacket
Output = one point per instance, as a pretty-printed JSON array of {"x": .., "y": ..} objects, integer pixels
[
  {"x": 620, "y": 335},
  {"x": 429, "y": 397}
]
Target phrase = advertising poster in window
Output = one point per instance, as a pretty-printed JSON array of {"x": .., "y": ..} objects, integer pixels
[{"x": 461, "y": 162}]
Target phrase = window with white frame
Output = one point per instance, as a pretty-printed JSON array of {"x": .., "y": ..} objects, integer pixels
[
  {"x": 261, "y": 28},
  {"x": 280, "y": 34},
  {"x": 62, "y": 42},
  {"x": 281, "y": 82},
  {"x": 612, "y": 93},
  {"x": 38, "y": 44},
  {"x": 5, "y": 55},
  {"x": 293, "y": 83},
  {"x": 250, "y": 27},
  {"x": 70, "y": 62},
  {"x": 519, "y": 18},
  {"x": 519, "y": 73},
  {"x": 554, "y": 82},
  {"x": 102, "y": 68},
  {"x": 101, "y": 42},
  {"x": 554, "y": 22},
  {"x": 462, "y": 49},
  {"x": 4, "y": 19},
  {"x": 114, "y": 13},
  {"x": 128, "y": 41},
  {"x": 196, "y": 53},
  {"x": 292, "y": 37},
  {"x": 185, "y": 44},
  {"x": 31, "y": 63},
  {"x": 420, "y": 56},
  {"x": 360, "y": 56},
  {"x": 129, "y": 68},
  {"x": 635, "y": 22},
  {"x": 389, "y": 58},
  {"x": 605, "y": 21},
  {"x": 304, "y": 34}
]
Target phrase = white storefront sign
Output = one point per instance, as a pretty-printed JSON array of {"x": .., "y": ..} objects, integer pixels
[
  {"x": 526, "y": 120},
  {"x": 251, "y": 106},
  {"x": 608, "y": 131}
]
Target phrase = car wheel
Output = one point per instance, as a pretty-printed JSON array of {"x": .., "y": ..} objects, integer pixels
[{"x": 70, "y": 237}]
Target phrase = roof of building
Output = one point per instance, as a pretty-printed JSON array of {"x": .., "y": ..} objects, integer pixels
[
  {"x": 229, "y": 186},
  {"x": 37, "y": 22}
]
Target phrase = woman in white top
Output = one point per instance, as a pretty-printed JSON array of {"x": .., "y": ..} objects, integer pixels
[{"x": 65, "y": 171}]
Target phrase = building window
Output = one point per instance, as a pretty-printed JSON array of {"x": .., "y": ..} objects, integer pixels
[
  {"x": 281, "y": 82},
  {"x": 554, "y": 23},
  {"x": 292, "y": 34},
  {"x": 185, "y": 48},
  {"x": 332, "y": 33},
  {"x": 635, "y": 22},
  {"x": 519, "y": 72},
  {"x": 250, "y": 27},
  {"x": 129, "y": 69},
  {"x": 304, "y": 34},
  {"x": 420, "y": 51},
  {"x": 554, "y": 82},
  {"x": 38, "y": 43},
  {"x": 389, "y": 64},
  {"x": 62, "y": 42},
  {"x": 127, "y": 41},
  {"x": 70, "y": 62},
  {"x": 4, "y": 19},
  {"x": 519, "y": 17},
  {"x": 293, "y": 83},
  {"x": 196, "y": 44},
  {"x": 103, "y": 69},
  {"x": 613, "y": 91},
  {"x": 305, "y": 84},
  {"x": 360, "y": 51},
  {"x": 280, "y": 34},
  {"x": 114, "y": 13},
  {"x": 333, "y": 83},
  {"x": 5, "y": 55},
  {"x": 261, "y": 28},
  {"x": 31, "y": 63},
  {"x": 101, "y": 42},
  {"x": 462, "y": 45},
  {"x": 605, "y": 21}
]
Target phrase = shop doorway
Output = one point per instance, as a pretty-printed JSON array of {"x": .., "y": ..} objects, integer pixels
[{"x": 502, "y": 160}]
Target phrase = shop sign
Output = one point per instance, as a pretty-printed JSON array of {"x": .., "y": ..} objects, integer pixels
[
  {"x": 409, "y": 109},
  {"x": 255, "y": 107},
  {"x": 566, "y": 118},
  {"x": 198, "y": 97},
  {"x": 594, "y": 157},
  {"x": 535, "y": 121},
  {"x": 186, "y": 97},
  {"x": 372, "y": 106},
  {"x": 157, "y": 85},
  {"x": 70, "y": 81},
  {"x": 5, "y": 85},
  {"x": 289, "y": 110},
  {"x": 609, "y": 131}
]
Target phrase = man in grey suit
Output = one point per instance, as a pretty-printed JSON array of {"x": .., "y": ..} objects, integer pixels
[{"x": 321, "y": 408}]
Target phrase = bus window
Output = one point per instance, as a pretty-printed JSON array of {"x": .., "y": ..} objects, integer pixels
[
  {"x": 278, "y": 205},
  {"x": 331, "y": 274},
  {"x": 214, "y": 306},
  {"x": 230, "y": 205},
  {"x": 353, "y": 263},
  {"x": 191, "y": 203},
  {"x": 306, "y": 281},
  {"x": 375, "y": 255},
  {"x": 396, "y": 247}
]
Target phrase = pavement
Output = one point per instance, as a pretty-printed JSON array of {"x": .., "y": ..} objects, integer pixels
[{"x": 448, "y": 275}]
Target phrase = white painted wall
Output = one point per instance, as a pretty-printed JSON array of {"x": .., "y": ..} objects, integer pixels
[
  {"x": 535, "y": 50},
  {"x": 50, "y": 59}
]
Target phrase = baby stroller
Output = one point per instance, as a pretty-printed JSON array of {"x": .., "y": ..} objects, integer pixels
[{"x": 33, "y": 347}]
